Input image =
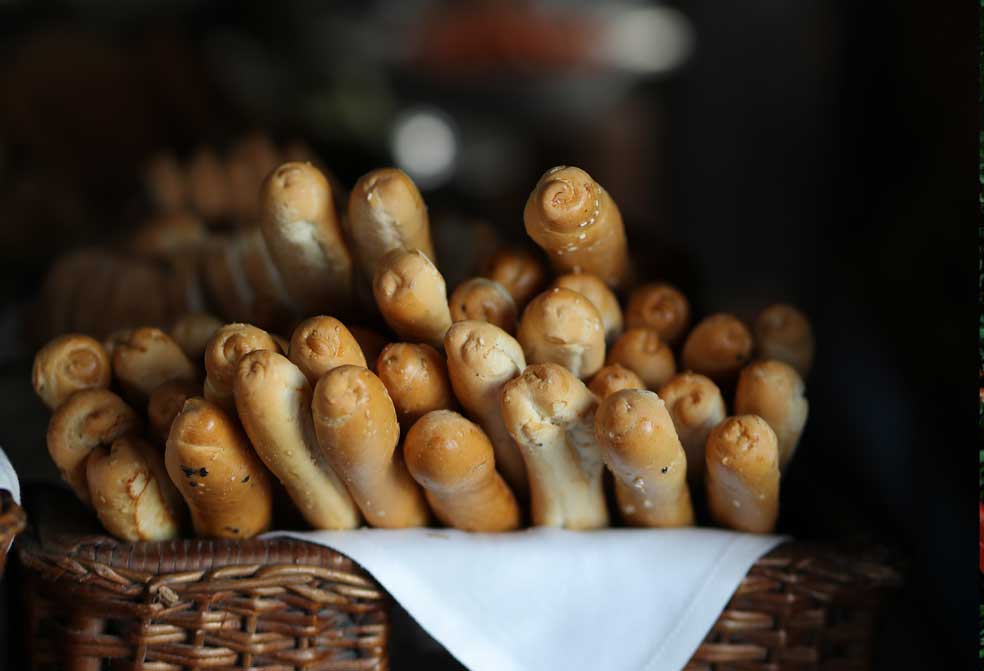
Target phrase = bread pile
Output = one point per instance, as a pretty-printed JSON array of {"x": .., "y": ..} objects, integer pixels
[{"x": 527, "y": 396}]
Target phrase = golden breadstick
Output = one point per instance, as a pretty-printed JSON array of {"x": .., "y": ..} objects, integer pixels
[
  {"x": 612, "y": 378},
  {"x": 484, "y": 300},
  {"x": 412, "y": 297},
  {"x": 370, "y": 342},
  {"x": 225, "y": 280},
  {"x": 114, "y": 340},
  {"x": 183, "y": 281},
  {"x": 247, "y": 165},
  {"x": 386, "y": 212},
  {"x": 166, "y": 402},
  {"x": 272, "y": 306},
  {"x": 718, "y": 347},
  {"x": 208, "y": 185},
  {"x": 165, "y": 183},
  {"x": 550, "y": 415},
  {"x": 192, "y": 331},
  {"x": 131, "y": 492},
  {"x": 416, "y": 377},
  {"x": 696, "y": 406},
  {"x": 642, "y": 450},
  {"x": 209, "y": 460},
  {"x": 659, "y": 306},
  {"x": 453, "y": 460},
  {"x": 148, "y": 359},
  {"x": 743, "y": 474},
  {"x": 357, "y": 429},
  {"x": 88, "y": 418},
  {"x": 321, "y": 343},
  {"x": 783, "y": 333},
  {"x": 302, "y": 231},
  {"x": 481, "y": 359},
  {"x": 519, "y": 271},
  {"x": 67, "y": 364},
  {"x": 774, "y": 391},
  {"x": 226, "y": 348},
  {"x": 643, "y": 352},
  {"x": 562, "y": 326},
  {"x": 600, "y": 296},
  {"x": 577, "y": 224},
  {"x": 168, "y": 233},
  {"x": 273, "y": 399}
]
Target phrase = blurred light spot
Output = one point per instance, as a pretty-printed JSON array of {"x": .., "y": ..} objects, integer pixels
[
  {"x": 647, "y": 39},
  {"x": 424, "y": 145}
]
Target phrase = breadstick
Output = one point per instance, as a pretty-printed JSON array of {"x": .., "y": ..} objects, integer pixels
[
  {"x": 321, "y": 343},
  {"x": 114, "y": 340},
  {"x": 642, "y": 450},
  {"x": 168, "y": 233},
  {"x": 209, "y": 460},
  {"x": 696, "y": 406},
  {"x": 94, "y": 286},
  {"x": 550, "y": 415},
  {"x": 386, "y": 212},
  {"x": 148, "y": 359},
  {"x": 484, "y": 300},
  {"x": 416, "y": 377},
  {"x": 222, "y": 355},
  {"x": 166, "y": 402},
  {"x": 718, "y": 347},
  {"x": 453, "y": 460},
  {"x": 370, "y": 342},
  {"x": 208, "y": 185},
  {"x": 301, "y": 229},
  {"x": 774, "y": 391},
  {"x": 562, "y": 326},
  {"x": 67, "y": 364},
  {"x": 357, "y": 429},
  {"x": 224, "y": 279},
  {"x": 743, "y": 474},
  {"x": 88, "y": 419},
  {"x": 783, "y": 333},
  {"x": 165, "y": 183},
  {"x": 412, "y": 297},
  {"x": 659, "y": 306},
  {"x": 183, "y": 281},
  {"x": 273, "y": 399},
  {"x": 612, "y": 378},
  {"x": 519, "y": 271},
  {"x": 247, "y": 165},
  {"x": 577, "y": 224},
  {"x": 131, "y": 492},
  {"x": 600, "y": 296},
  {"x": 192, "y": 331},
  {"x": 272, "y": 306},
  {"x": 643, "y": 352},
  {"x": 481, "y": 359}
]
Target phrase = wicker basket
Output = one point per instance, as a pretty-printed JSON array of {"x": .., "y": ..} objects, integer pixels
[
  {"x": 12, "y": 522},
  {"x": 286, "y": 605}
]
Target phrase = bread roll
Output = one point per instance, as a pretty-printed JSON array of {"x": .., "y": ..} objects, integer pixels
[
  {"x": 131, "y": 492},
  {"x": 521, "y": 273},
  {"x": 613, "y": 378},
  {"x": 68, "y": 364},
  {"x": 60, "y": 288},
  {"x": 642, "y": 351},
  {"x": 321, "y": 343},
  {"x": 600, "y": 296},
  {"x": 192, "y": 331},
  {"x": 718, "y": 347},
  {"x": 114, "y": 340},
  {"x": 386, "y": 212},
  {"x": 273, "y": 399},
  {"x": 370, "y": 342},
  {"x": 482, "y": 358},
  {"x": 168, "y": 233},
  {"x": 453, "y": 460},
  {"x": 88, "y": 419},
  {"x": 416, "y": 377},
  {"x": 562, "y": 326},
  {"x": 412, "y": 297},
  {"x": 224, "y": 279},
  {"x": 93, "y": 288},
  {"x": 783, "y": 333},
  {"x": 577, "y": 224},
  {"x": 550, "y": 415},
  {"x": 166, "y": 402},
  {"x": 358, "y": 431},
  {"x": 642, "y": 450},
  {"x": 208, "y": 185},
  {"x": 164, "y": 181},
  {"x": 227, "y": 490},
  {"x": 659, "y": 306},
  {"x": 696, "y": 406},
  {"x": 301, "y": 229},
  {"x": 484, "y": 300},
  {"x": 148, "y": 359},
  {"x": 183, "y": 281},
  {"x": 226, "y": 348},
  {"x": 271, "y": 303},
  {"x": 774, "y": 391},
  {"x": 743, "y": 474}
]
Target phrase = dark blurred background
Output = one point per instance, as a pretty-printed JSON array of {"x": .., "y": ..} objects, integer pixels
[{"x": 819, "y": 152}]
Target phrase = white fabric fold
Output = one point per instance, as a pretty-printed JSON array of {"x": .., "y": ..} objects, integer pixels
[{"x": 8, "y": 477}]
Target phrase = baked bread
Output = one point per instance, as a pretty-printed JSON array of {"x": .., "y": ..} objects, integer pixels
[
  {"x": 659, "y": 306},
  {"x": 521, "y": 273},
  {"x": 486, "y": 300},
  {"x": 596, "y": 291},
  {"x": 696, "y": 406},
  {"x": 743, "y": 474},
  {"x": 612, "y": 378},
  {"x": 226, "y": 348},
  {"x": 774, "y": 391},
  {"x": 718, "y": 347},
  {"x": 321, "y": 343},
  {"x": 642, "y": 351},
  {"x": 147, "y": 359},
  {"x": 784, "y": 333},
  {"x": 412, "y": 297},
  {"x": 416, "y": 377},
  {"x": 68, "y": 364},
  {"x": 563, "y": 327}
]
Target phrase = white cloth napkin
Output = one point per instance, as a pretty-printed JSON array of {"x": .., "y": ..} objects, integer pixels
[
  {"x": 8, "y": 478},
  {"x": 617, "y": 599}
]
